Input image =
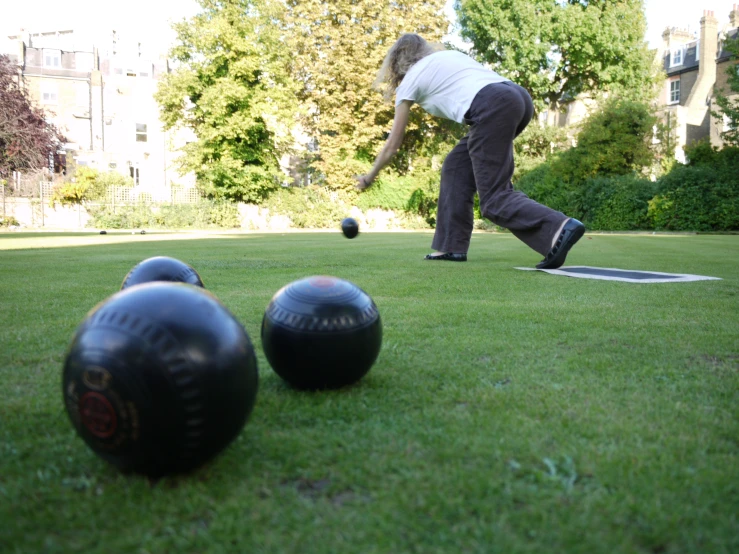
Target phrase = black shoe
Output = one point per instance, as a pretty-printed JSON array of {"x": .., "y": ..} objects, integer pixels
[
  {"x": 449, "y": 257},
  {"x": 571, "y": 233}
]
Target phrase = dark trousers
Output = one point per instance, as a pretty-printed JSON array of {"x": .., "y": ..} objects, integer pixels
[{"x": 482, "y": 161}]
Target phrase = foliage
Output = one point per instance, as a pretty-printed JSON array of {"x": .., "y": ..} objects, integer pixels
[
  {"x": 68, "y": 192},
  {"x": 615, "y": 140},
  {"x": 8, "y": 221},
  {"x": 137, "y": 216},
  {"x": 615, "y": 203},
  {"x": 392, "y": 191},
  {"x": 231, "y": 86},
  {"x": 730, "y": 108},
  {"x": 310, "y": 207},
  {"x": 702, "y": 195},
  {"x": 199, "y": 215},
  {"x": 337, "y": 49},
  {"x": 536, "y": 145},
  {"x": 88, "y": 184},
  {"x": 702, "y": 152},
  {"x": 665, "y": 142},
  {"x": 424, "y": 203},
  {"x": 558, "y": 50},
  {"x": 26, "y": 138},
  {"x": 602, "y": 180},
  {"x": 548, "y": 186}
]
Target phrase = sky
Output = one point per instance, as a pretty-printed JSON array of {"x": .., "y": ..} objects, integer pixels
[{"x": 152, "y": 18}]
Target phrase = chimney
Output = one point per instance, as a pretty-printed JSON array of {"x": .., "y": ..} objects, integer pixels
[
  {"x": 707, "y": 69},
  {"x": 671, "y": 38},
  {"x": 21, "y": 49},
  {"x": 709, "y": 42},
  {"x": 734, "y": 17},
  {"x": 674, "y": 36}
]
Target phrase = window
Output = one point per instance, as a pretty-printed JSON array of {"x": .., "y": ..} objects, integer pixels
[
  {"x": 52, "y": 58},
  {"x": 134, "y": 175},
  {"x": 49, "y": 93},
  {"x": 674, "y": 92},
  {"x": 677, "y": 56},
  {"x": 141, "y": 132}
]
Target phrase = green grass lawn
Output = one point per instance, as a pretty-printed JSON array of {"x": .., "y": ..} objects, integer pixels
[{"x": 508, "y": 411}]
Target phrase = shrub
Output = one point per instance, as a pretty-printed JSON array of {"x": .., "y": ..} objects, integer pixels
[
  {"x": 424, "y": 204},
  {"x": 536, "y": 145},
  {"x": 121, "y": 217},
  {"x": 309, "y": 207},
  {"x": 696, "y": 198},
  {"x": 547, "y": 186},
  {"x": 702, "y": 195},
  {"x": 8, "y": 221},
  {"x": 224, "y": 214},
  {"x": 615, "y": 140},
  {"x": 88, "y": 184},
  {"x": 615, "y": 203},
  {"x": 725, "y": 160},
  {"x": 390, "y": 192},
  {"x": 424, "y": 196},
  {"x": 201, "y": 215}
]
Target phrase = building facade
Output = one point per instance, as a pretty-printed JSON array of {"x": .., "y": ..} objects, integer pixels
[
  {"x": 102, "y": 100},
  {"x": 696, "y": 68}
]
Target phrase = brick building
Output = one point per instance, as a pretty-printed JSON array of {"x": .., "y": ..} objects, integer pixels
[
  {"x": 697, "y": 66},
  {"x": 101, "y": 98}
]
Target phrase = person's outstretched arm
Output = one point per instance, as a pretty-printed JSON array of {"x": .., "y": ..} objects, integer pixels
[{"x": 392, "y": 144}]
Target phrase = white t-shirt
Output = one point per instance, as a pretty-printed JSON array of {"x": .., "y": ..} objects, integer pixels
[{"x": 445, "y": 83}]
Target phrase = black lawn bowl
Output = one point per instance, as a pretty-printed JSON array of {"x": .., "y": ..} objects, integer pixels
[
  {"x": 350, "y": 227},
  {"x": 162, "y": 268},
  {"x": 159, "y": 378},
  {"x": 103, "y": 232},
  {"x": 321, "y": 333}
]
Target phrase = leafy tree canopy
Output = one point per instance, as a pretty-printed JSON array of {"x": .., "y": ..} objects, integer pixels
[
  {"x": 232, "y": 88},
  {"x": 730, "y": 107},
  {"x": 558, "y": 49},
  {"x": 26, "y": 138},
  {"x": 337, "y": 48},
  {"x": 254, "y": 76}
]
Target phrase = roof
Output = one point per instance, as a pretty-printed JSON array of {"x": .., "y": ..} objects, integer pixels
[
  {"x": 691, "y": 61},
  {"x": 724, "y": 54}
]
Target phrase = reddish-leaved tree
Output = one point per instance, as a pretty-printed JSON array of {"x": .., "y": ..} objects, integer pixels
[{"x": 26, "y": 138}]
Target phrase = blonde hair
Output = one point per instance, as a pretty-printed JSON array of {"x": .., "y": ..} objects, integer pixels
[{"x": 406, "y": 51}]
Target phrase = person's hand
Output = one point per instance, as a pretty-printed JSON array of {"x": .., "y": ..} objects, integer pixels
[{"x": 363, "y": 181}]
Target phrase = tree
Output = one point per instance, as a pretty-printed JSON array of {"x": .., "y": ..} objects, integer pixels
[
  {"x": 615, "y": 140},
  {"x": 337, "y": 48},
  {"x": 730, "y": 108},
  {"x": 26, "y": 138},
  {"x": 558, "y": 49},
  {"x": 231, "y": 86}
]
